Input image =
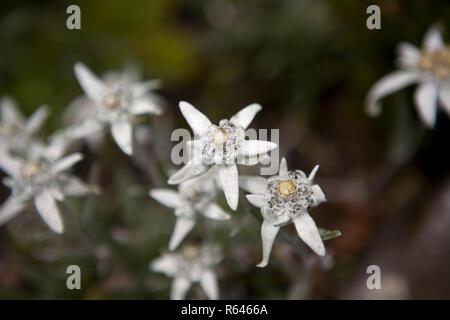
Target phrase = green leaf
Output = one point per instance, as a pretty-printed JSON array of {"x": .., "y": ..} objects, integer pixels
[{"x": 329, "y": 234}]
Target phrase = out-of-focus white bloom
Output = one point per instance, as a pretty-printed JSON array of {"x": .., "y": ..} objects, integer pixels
[
  {"x": 116, "y": 101},
  {"x": 193, "y": 264},
  {"x": 83, "y": 108},
  {"x": 223, "y": 146},
  {"x": 41, "y": 179},
  {"x": 16, "y": 133},
  {"x": 283, "y": 199},
  {"x": 429, "y": 68},
  {"x": 194, "y": 197}
]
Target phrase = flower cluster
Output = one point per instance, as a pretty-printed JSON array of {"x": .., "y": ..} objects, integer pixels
[
  {"x": 37, "y": 171},
  {"x": 214, "y": 155}
]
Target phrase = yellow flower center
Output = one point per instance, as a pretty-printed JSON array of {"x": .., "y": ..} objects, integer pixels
[
  {"x": 29, "y": 169},
  {"x": 220, "y": 137},
  {"x": 191, "y": 252},
  {"x": 111, "y": 101},
  {"x": 286, "y": 188},
  {"x": 437, "y": 61}
]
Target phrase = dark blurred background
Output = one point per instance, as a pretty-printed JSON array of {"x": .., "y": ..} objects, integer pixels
[{"x": 310, "y": 65}]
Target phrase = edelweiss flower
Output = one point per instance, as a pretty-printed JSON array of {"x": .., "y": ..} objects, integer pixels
[
  {"x": 42, "y": 180},
  {"x": 429, "y": 67},
  {"x": 223, "y": 146},
  {"x": 194, "y": 197},
  {"x": 83, "y": 108},
  {"x": 283, "y": 199},
  {"x": 193, "y": 264},
  {"x": 116, "y": 104},
  {"x": 16, "y": 133}
]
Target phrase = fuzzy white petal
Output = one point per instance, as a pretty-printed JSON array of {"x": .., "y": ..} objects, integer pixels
[
  {"x": 90, "y": 83},
  {"x": 283, "y": 169},
  {"x": 317, "y": 195},
  {"x": 66, "y": 162},
  {"x": 251, "y": 148},
  {"x": 56, "y": 193},
  {"x": 9, "y": 164},
  {"x": 312, "y": 175},
  {"x": 166, "y": 264},
  {"x": 167, "y": 197},
  {"x": 122, "y": 132},
  {"x": 268, "y": 234},
  {"x": 201, "y": 183},
  {"x": 47, "y": 208},
  {"x": 214, "y": 211},
  {"x": 433, "y": 39},
  {"x": 198, "y": 122},
  {"x": 10, "y": 113},
  {"x": 55, "y": 150},
  {"x": 145, "y": 105},
  {"x": 208, "y": 282},
  {"x": 36, "y": 120},
  {"x": 308, "y": 232},
  {"x": 79, "y": 109},
  {"x": 189, "y": 171},
  {"x": 230, "y": 184},
  {"x": 9, "y": 182},
  {"x": 142, "y": 88},
  {"x": 9, "y": 209},
  {"x": 182, "y": 227},
  {"x": 387, "y": 85},
  {"x": 180, "y": 286},
  {"x": 408, "y": 55},
  {"x": 257, "y": 200},
  {"x": 245, "y": 116},
  {"x": 252, "y": 184},
  {"x": 75, "y": 187},
  {"x": 425, "y": 97}
]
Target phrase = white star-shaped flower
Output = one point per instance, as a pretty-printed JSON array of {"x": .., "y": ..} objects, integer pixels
[
  {"x": 429, "y": 68},
  {"x": 223, "y": 146},
  {"x": 41, "y": 179},
  {"x": 283, "y": 199},
  {"x": 82, "y": 109},
  {"x": 16, "y": 133},
  {"x": 194, "y": 197},
  {"x": 193, "y": 265},
  {"x": 116, "y": 103}
]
